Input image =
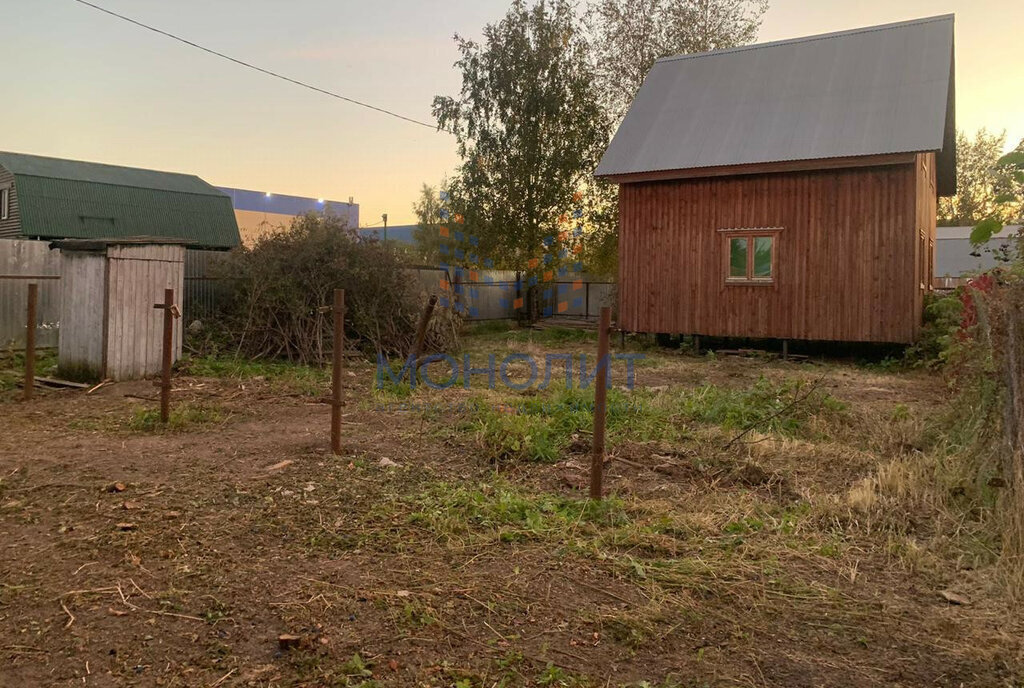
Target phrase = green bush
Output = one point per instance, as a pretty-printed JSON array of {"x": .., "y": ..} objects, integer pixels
[{"x": 942, "y": 316}]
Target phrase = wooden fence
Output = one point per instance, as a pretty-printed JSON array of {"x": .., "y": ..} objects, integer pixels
[
  {"x": 22, "y": 262},
  {"x": 490, "y": 296}
]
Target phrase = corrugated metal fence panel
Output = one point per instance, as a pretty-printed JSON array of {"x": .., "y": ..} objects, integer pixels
[
  {"x": 22, "y": 257},
  {"x": 430, "y": 280},
  {"x": 490, "y": 294}
]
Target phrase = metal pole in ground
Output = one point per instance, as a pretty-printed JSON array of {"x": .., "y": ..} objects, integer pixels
[
  {"x": 168, "y": 355},
  {"x": 600, "y": 403},
  {"x": 338, "y": 356},
  {"x": 30, "y": 340},
  {"x": 421, "y": 331}
]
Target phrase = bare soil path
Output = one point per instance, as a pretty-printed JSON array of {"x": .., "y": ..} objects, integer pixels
[{"x": 134, "y": 557}]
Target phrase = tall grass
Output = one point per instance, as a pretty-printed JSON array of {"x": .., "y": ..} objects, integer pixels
[
  {"x": 952, "y": 484},
  {"x": 541, "y": 428}
]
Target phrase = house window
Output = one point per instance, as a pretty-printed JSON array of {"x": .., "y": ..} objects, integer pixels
[
  {"x": 930, "y": 275},
  {"x": 750, "y": 255},
  {"x": 923, "y": 253},
  {"x": 5, "y": 196}
]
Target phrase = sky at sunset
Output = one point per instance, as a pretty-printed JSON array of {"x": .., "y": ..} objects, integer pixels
[{"x": 83, "y": 85}]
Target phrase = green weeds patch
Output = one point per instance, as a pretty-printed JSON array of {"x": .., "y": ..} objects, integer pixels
[
  {"x": 303, "y": 379},
  {"x": 540, "y": 428},
  {"x": 508, "y": 514},
  {"x": 782, "y": 409},
  {"x": 183, "y": 417},
  {"x": 12, "y": 367}
]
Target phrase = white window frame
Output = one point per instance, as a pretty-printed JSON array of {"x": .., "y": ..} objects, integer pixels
[{"x": 5, "y": 202}]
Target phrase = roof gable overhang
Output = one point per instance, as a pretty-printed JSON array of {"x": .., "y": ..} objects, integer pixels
[
  {"x": 766, "y": 168},
  {"x": 804, "y": 103}
]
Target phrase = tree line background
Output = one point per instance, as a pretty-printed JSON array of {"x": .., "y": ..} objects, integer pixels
[{"x": 544, "y": 91}]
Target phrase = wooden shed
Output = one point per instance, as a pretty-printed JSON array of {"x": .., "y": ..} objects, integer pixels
[
  {"x": 787, "y": 190},
  {"x": 109, "y": 327}
]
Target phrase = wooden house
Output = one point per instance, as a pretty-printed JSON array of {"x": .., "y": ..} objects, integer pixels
[{"x": 787, "y": 190}]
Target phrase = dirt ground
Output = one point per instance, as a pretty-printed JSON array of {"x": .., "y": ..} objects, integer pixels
[{"x": 132, "y": 556}]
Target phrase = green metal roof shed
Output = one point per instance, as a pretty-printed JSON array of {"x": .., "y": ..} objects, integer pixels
[{"x": 50, "y": 198}]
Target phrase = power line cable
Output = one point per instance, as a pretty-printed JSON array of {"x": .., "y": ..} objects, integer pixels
[{"x": 255, "y": 67}]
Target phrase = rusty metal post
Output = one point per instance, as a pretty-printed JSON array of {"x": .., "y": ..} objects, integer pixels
[
  {"x": 602, "y": 375},
  {"x": 30, "y": 340},
  {"x": 168, "y": 356},
  {"x": 338, "y": 356},
  {"x": 421, "y": 330}
]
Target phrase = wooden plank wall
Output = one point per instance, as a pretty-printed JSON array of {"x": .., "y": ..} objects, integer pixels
[
  {"x": 11, "y": 227},
  {"x": 83, "y": 290},
  {"x": 926, "y": 210},
  {"x": 137, "y": 278},
  {"x": 845, "y": 263},
  {"x": 26, "y": 257}
]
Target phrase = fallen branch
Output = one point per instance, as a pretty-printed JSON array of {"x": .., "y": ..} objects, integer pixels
[
  {"x": 787, "y": 407},
  {"x": 71, "y": 617},
  {"x": 101, "y": 384},
  {"x": 223, "y": 678}
]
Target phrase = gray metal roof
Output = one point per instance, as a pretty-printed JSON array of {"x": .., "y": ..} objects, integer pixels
[{"x": 877, "y": 90}]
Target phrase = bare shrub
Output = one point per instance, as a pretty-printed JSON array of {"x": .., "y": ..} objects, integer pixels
[{"x": 281, "y": 306}]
